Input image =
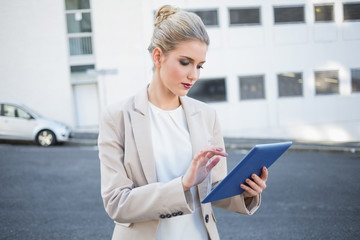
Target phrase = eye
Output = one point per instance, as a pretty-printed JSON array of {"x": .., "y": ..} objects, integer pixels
[
  {"x": 184, "y": 63},
  {"x": 199, "y": 66}
]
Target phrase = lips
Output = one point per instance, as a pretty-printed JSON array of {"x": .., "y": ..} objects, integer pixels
[{"x": 187, "y": 85}]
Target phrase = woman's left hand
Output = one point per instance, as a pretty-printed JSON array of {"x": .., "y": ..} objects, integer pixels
[{"x": 256, "y": 185}]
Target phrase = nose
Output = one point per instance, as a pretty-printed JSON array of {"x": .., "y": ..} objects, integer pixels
[{"x": 194, "y": 74}]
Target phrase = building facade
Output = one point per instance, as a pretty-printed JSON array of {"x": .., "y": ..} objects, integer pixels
[{"x": 275, "y": 69}]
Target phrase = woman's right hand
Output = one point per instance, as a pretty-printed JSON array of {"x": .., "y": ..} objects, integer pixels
[{"x": 199, "y": 167}]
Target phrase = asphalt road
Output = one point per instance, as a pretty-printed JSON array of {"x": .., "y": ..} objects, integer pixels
[{"x": 54, "y": 193}]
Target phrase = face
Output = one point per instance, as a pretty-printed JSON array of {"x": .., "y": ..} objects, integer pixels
[{"x": 180, "y": 68}]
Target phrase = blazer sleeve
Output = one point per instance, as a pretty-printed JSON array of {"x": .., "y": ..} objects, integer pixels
[
  {"x": 235, "y": 203},
  {"x": 123, "y": 200}
]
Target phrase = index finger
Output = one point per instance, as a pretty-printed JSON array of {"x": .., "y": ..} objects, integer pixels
[
  {"x": 214, "y": 151},
  {"x": 207, "y": 154},
  {"x": 210, "y": 153},
  {"x": 264, "y": 174}
]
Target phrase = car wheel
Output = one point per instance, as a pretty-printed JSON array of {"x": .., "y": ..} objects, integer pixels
[{"x": 46, "y": 138}]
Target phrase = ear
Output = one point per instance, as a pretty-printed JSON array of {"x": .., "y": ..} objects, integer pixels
[{"x": 156, "y": 56}]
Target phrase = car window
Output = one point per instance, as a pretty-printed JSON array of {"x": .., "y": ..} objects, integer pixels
[
  {"x": 12, "y": 111},
  {"x": 22, "y": 114},
  {"x": 9, "y": 111}
]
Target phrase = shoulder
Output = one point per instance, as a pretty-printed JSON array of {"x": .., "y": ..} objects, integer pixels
[
  {"x": 120, "y": 106},
  {"x": 116, "y": 111},
  {"x": 136, "y": 103}
]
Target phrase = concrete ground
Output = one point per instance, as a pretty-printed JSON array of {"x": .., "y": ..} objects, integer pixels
[{"x": 54, "y": 193}]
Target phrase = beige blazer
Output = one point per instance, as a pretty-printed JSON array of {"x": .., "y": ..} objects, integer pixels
[{"x": 132, "y": 196}]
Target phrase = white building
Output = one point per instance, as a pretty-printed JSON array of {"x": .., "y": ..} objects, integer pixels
[{"x": 275, "y": 68}]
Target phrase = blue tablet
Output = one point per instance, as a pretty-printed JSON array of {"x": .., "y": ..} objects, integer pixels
[{"x": 259, "y": 156}]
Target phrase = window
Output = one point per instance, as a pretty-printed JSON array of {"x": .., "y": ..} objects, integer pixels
[
  {"x": 244, "y": 16},
  {"x": 81, "y": 68},
  {"x": 327, "y": 82},
  {"x": 324, "y": 13},
  {"x": 355, "y": 80},
  {"x": 22, "y": 114},
  {"x": 78, "y": 22},
  {"x": 351, "y": 11},
  {"x": 9, "y": 111},
  {"x": 77, "y": 4},
  {"x": 12, "y": 111},
  {"x": 80, "y": 45},
  {"x": 82, "y": 73},
  {"x": 294, "y": 14},
  {"x": 252, "y": 87},
  {"x": 209, "y": 90},
  {"x": 209, "y": 17},
  {"x": 290, "y": 84}
]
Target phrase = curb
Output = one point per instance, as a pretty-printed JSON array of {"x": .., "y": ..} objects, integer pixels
[
  {"x": 90, "y": 139},
  {"x": 339, "y": 147},
  {"x": 83, "y": 138}
]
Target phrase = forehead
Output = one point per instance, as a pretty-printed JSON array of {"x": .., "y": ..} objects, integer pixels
[{"x": 193, "y": 49}]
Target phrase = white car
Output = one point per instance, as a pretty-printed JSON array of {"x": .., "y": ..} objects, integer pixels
[{"x": 18, "y": 122}]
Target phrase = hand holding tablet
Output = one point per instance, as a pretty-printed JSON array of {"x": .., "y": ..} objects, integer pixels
[{"x": 259, "y": 156}]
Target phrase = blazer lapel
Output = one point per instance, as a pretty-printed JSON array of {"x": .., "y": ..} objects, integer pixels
[
  {"x": 194, "y": 119},
  {"x": 199, "y": 137},
  {"x": 140, "y": 121}
]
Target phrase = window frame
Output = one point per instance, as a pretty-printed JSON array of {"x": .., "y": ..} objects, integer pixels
[
  {"x": 11, "y": 105},
  {"x": 290, "y": 96},
  {"x": 338, "y": 83},
  {"x": 76, "y": 9},
  {"x": 209, "y": 79},
  {"x": 86, "y": 69},
  {"x": 16, "y": 107},
  {"x": 290, "y": 6},
  {"x": 245, "y": 24},
  {"x": 194, "y": 10},
  {"x": 322, "y": 5},
  {"x": 79, "y": 35},
  {"x": 343, "y": 12},
  {"x": 26, "y": 112},
  {"x": 351, "y": 75},
  {"x": 263, "y": 83},
  {"x": 88, "y": 11}
]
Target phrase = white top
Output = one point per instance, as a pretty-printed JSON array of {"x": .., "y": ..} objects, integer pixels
[{"x": 173, "y": 155}]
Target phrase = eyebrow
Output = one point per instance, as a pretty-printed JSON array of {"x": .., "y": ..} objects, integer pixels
[{"x": 190, "y": 59}]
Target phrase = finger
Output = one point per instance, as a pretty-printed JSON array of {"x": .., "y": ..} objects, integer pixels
[
  {"x": 209, "y": 155},
  {"x": 203, "y": 159},
  {"x": 254, "y": 186},
  {"x": 213, "y": 152},
  {"x": 264, "y": 174},
  {"x": 249, "y": 190},
  {"x": 204, "y": 156},
  {"x": 259, "y": 181},
  {"x": 212, "y": 164}
]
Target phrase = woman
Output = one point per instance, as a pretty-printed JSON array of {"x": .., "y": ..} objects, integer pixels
[{"x": 161, "y": 152}]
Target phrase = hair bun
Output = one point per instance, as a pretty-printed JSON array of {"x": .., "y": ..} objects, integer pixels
[{"x": 163, "y": 13}]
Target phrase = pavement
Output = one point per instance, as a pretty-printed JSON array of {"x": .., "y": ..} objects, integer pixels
[{"x": 90, "y": 138}]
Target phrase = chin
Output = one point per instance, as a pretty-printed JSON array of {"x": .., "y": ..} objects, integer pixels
[
  {"x": 183, "y": 93},
  {"x": 180, "y": 92}
]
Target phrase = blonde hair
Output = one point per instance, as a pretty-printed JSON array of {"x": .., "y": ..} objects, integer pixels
[{"x": 173, "y": 26}]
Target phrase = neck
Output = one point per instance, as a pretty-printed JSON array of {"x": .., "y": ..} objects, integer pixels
[{"x": 161, "y": 97}]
